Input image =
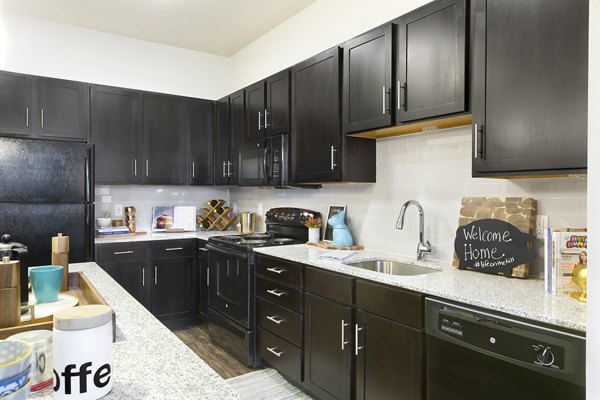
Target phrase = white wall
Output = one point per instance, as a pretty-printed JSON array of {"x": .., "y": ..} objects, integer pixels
[
  {"x": 38, "y": 47},
  {"x": 318, "y": 27},
  {"x": 593, "y": 327}
]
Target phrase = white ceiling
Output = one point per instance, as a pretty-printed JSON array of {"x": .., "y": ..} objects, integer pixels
[{"x": 220, "y": 27}]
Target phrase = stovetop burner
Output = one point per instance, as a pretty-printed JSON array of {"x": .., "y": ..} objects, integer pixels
[
  {"x": 283, "y": 240},
  {"x": 255, "y": 241},
  {"x": 255, "y": 236}
]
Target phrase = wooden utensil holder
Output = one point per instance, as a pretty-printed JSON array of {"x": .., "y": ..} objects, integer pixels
[{"x": 217, "y": 221}]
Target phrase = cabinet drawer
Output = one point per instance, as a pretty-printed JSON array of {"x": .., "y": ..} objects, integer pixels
[
  {"x": 279, "y": 270},
  {"x": 172, "y": 248},
  {"x": 282, "y": 322},
  {"x": 396, "y": 304},
  {"x": 279, "y": 293},
  {"x": 330, "y": 285},
  {"x": 127, "y": 251},
  {"x": 281, "y": 355}
]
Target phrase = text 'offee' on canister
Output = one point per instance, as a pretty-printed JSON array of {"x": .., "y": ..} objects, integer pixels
[{"x": 83, "y": 352}]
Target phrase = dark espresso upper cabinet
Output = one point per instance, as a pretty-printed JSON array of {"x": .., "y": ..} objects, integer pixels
[
  {"x": 529, "y": 86},
  {"x": 230, "y": 122},
  {"x": 431, "y": 55},
  {"x": 320, "y": 153},
  {"x": 46, "y": 108},
  {"x": 268, "y": 106},
  {"x": 164, "y": 139},
  {"x": 114, "y": 131},
  {"x": 16, "y": 104},
  {"x": 201, "y": 118},
  {"x": 368, "y": 80}
]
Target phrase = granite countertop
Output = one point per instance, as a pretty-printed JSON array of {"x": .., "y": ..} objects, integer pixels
[
  {"x": 520, "y": 297},
  {"x": 149, "y": 361},
  {"x": 204, "y": 235}
]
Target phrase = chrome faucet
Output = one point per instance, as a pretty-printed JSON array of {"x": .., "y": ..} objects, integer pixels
[{"x": 424, "y": 247}]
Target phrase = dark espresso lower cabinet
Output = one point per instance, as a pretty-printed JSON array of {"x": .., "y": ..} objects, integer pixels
[{"x": 131, "y": 275}]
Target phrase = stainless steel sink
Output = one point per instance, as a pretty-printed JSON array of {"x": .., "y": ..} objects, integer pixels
[{"x": 392, "y": 267}]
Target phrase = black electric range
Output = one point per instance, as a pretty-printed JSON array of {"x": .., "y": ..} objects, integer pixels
[{"x": 231, "y": 280}]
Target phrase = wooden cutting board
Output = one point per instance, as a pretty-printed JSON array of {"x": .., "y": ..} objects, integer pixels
[{"x": 518, "y": 211}]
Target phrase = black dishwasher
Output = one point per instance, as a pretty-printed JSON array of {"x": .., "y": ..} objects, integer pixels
[{"x": 475, "y": 355}]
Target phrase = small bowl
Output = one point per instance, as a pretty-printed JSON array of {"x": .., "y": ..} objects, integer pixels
[
  {"x": 20, "y": 394},
  {"x": 46, "y": 282},
  {"x": 103, "y": 222},
  {"x": 14, "y": 383},
  {"x": 16, "y": 356}
]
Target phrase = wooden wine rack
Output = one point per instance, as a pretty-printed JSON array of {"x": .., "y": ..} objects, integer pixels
[{"x": 217, "y": 221}]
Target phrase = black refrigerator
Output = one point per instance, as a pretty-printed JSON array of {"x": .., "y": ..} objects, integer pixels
[{"x": 47, "y": 187}]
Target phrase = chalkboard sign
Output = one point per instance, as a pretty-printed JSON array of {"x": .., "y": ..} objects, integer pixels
[{"x": 492, "y": 246}]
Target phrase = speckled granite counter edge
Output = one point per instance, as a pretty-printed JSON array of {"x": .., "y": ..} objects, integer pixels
[
  {"x": 524, "y": 298},
  {"x": 149, "y": 237}
]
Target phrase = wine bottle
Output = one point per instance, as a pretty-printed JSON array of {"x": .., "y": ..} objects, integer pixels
[
  {"x": 220, "y": 210},
  {"x": 213, "y": 202}
]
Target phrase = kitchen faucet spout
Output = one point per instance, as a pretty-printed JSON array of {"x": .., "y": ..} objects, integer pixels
[{"x": 424, "y": 247}]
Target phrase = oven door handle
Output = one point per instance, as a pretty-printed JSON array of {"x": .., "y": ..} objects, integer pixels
[{"x": 227, "y": 252}]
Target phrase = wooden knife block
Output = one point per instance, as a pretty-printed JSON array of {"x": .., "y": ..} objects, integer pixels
[{"x": 10, "y": 293}]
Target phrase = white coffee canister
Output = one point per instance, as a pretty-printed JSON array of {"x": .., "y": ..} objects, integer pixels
[
  {"x": 83, "y": 352},
  {"x": 41, "y": 371}
]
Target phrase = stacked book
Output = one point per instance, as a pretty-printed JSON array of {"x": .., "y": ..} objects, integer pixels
[
  {"x": 112, "y": 230},
  {"x": 565, "y": 262}
]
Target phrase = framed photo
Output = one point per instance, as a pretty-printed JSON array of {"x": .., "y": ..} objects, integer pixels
[{"x": 328, "y": 235}]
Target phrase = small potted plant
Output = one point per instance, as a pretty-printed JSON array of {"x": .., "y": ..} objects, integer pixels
[{"x": 314, "y": 228}]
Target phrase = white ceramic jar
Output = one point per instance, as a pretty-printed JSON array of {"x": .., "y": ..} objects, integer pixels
[{"x": 83, "y": 352}]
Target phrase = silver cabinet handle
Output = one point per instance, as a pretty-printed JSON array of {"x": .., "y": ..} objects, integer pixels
[
  {"x": 155, "y": 275},
  {"x": 259, "y": 117},
  {"x": 173, "y": 248},
  {"x": 274, "y": 351},
  {"x": 147, "y": 167},
  {"x": 143, "y": 276},
  {"x": 344, "y": 341},
  {"x": 276, "y": 292},
  {"x": 27, "y": 117},
  {"x": 207, "y": 277},
  {"x": 333, "y": 164},
  {"x": 42, "y": 118},
  {"x": 224, "y": 176},
  {"x": 478, "y": 142},
  {"x": 398, "y": 95},
  {"x": 273, "y": 318},
  {"x": 118, "y": 253},
  {"x": 193, "y": 169},
  {"x": 135, "y": 167},
  {"x": 383, "y": 100},
  {"x": 356, "y": 346},
  {"x": 276, "y": 270},
  {"x": 266, "y": 123},
  {"x": 402, "y": 105},
  {"x": 229, "y": 164},
  {"x": 203, "y": 249}
]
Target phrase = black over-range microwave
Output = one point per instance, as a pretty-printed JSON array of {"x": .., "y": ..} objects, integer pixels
[{"x": 265, "y": 162}]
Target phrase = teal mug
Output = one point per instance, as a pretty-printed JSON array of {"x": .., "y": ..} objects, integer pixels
[{"x": 46, "y": 282}]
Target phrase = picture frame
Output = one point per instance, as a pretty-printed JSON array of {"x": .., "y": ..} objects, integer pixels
[{"x": 328, "y": 234}]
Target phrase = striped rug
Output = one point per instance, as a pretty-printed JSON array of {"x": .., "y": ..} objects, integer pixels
[{"x": 266, "y": 384}]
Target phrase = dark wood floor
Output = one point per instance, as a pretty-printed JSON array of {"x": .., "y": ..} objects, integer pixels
[{"x": 196, "y": 338}]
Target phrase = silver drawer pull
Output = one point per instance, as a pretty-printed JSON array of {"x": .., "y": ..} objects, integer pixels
[
  {"x": 276, "y": 270},
  {"x": 276, "y": 292},
  {"x": 274, "y": 319},
  {"x": 118, "y": 253},
  {"x": 274, "y": 351},
  {"x": 344, "y": 341},
  {"x": 174, "y": 248},
  {"x": 357, "y": 348},
  {"x": 202, "y": 249}
]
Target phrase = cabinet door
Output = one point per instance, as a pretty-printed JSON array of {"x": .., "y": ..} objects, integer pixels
[
  {"x": 171, "y": 287},
  {"x": 201, "y": 118},
  {"x": 431, "y": 61},
  {"x": 63, "y": 109},
  {"x": 389, "y": 364},
  {"x": 327, "y": 347},
  {"x": 368, "y": 80},
  {"x": 238, "y": 129},
  {"x": 316, "y": 101},
  {"x": 114, "y": 132},
  {"x": 277, "y": 118},
  {"x": 222, "y": 141},
  {"x": 530, "y": 86},
  {"x": 16, "y": 104},
  {"x": 255, "y": 111},
  {"x": 133, "y": 276},
  {"x": 163, "y": 139}
]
